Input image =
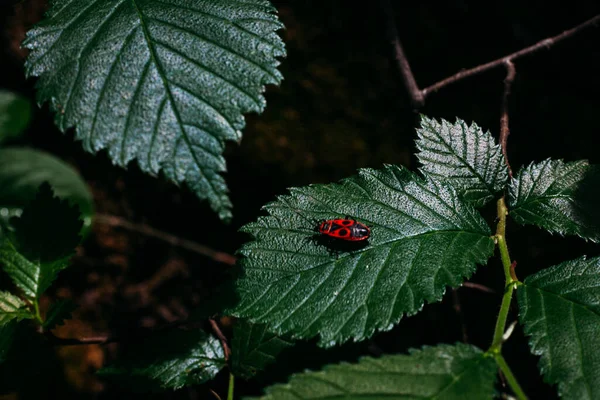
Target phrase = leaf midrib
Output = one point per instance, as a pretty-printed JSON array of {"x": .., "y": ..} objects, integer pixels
[{"x": 161, "y": 73}]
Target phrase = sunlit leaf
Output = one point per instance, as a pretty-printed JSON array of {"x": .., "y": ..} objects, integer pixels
[
  {"x": 560, "y": 308},
  {"x": 557, "y": 196},
  {"x": 442, "y": 372},
  {"x": 164, "y": 82},
  {"x": 463, "y": 156},
  {"x": 11, "y": 308},
  {"x": 423, "y": 238}
]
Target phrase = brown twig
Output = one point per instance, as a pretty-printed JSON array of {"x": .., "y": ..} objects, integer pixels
[
  {"x": 57, "y": 341},
  {"x": 546, "y": 43},
  {"x": 173, "y": 240},
  {"x": 504, "y": 129},
  {"x": 478, "y": 286},
  {"x": 222, "y": 338},
  {"x": 416, "y": 95}
]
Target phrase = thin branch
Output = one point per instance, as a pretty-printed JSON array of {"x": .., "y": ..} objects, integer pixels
[
  {"x": 57, "y": 341},
  {"x": 504, "y": 130},
  {"x": 546, "y": 43},
  {"x": 113, "y": 220},
  {"x": 416, "y": 95},
  {"x": 478, "y": 286},
  {"x": 222, "y": 338}
]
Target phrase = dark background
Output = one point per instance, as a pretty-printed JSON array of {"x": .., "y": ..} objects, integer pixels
[{"x": 342, "y": 106}]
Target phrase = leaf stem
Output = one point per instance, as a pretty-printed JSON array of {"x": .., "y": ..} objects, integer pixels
[
  {"x": 510, "y": 378},
  {"x": 38, "y": 316},
  {"x": 231, "y": 384}
]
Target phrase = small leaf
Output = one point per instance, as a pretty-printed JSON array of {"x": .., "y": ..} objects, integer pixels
[
  {"x": 423, "y": 238},
  {"x": 557, "y": 196},
  {"x": 44, "y": 240},
  {"x": 169, "y": 360},
  {"x": 463, "y": 156},
  {"x": 33, "y": 277},
  {"x": 165, "y": 82},
  {"x": 12, "y": 307},
  {"x": 15, "y": 113},
  {"x": 560, "y": 309},
  {"x": 58, "y": 312},
  {"x": 22, "y": 171},
  {"x": 442, "y": 372},
  {"x": 253, "y": 348}
]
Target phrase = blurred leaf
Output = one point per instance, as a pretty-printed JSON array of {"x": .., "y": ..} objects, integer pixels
[
  {"x": 22, "y": 171},
  {"x": 15, "y": 113},
  {"x": 442, "y": 372},
  {"x": 7, "y": 335},
  {"x": 560, "y": 310},
  {"x": 12, "y": 307},
  {"x": 44, "y": 240},
  {"x": 559, "y": 197},
  {"x": 172, "y": 359},
  {"x": 58, "y": 312},
  {"x": 463, "y": 156},
  {"x": 424, "y": 238},
  {"x": 165, "y": 82},
  {"x": 253, "y": 348}
]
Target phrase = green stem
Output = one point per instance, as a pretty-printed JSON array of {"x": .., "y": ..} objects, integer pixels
[
  {"x": 38, "y": 316},
  {"x": 510, "y": 378},
  {"x": 508, "y": 276},
  {"x": 231, "y": 383}
]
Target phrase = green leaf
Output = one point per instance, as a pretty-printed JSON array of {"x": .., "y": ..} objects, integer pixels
[
  {"x": 164, "y": 82},
  {"x": 15, "y": 113},
  {"x": 48, "y": 228},
  {"x": 58, "y": 312},
  {"x": 463, "y": 156},
  {"x": 44, "y": 240},
  {"x": 423, "y": 238},
  {"x": 12, "y": 307},
  {"x": 560, "y": 310},
  {"x": 557, "y": 196},
  {"x": 253, "y": 348},
  {"x": 33, "y": 277},
  {"x": 170, "y": 359},
  {"x": 22, "y": 171},
  {"x": 442, "y": 372}
]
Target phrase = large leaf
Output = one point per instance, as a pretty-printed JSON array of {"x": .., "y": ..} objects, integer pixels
[
  {"x": 441, "y": 372},
  {"x": 424, "y": 237},
  {"x": 557, "y": 196},
  {"x": 170, "y": 359},
  {"x": 164, "y": 82},
  {"x": 253, "y": 348},
  {"x": 15, "y": 112},
  {"x": 12, "y": 307},
  {"x": 44, "y": 240},
  {"x": 22, "y": 171},
  {"x": 464, "y": 156},
  {"x": 560, "y": 309}
]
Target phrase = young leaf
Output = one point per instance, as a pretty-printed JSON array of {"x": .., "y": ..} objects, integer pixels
[
  {"x": 58, "y": 312},
  {"x": 169, "y": 360},
  {"x": 15, "y": 112},
  {"x": 464, "y": 156},
  {"x": 557, "y": 196},
  {"x": 423, "y": 238},
  {"x": 12, "y": 307},
  {"x": 162, "y": 81},
  {"x": 560, "y": 310},
  {"x": 442, "y": 372},
  {"x": 22, "y": 171},
  {"x": 253, "y": 348},
  {"x": 44, "y": 239}
]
